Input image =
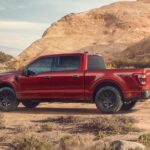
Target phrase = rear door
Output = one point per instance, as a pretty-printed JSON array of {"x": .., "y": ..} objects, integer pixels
[{"x": 67, "y": 77}]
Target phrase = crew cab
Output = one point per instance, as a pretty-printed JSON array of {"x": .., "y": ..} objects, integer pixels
[{"x": 74, "y": 77}]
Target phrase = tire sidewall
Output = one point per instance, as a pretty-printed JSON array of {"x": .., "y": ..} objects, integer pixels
[
  {"x": 118, "y": 100},
  {"x": 14, "y": 103}
]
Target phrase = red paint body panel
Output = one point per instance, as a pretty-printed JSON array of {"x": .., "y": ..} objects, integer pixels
[
  {"x": 59, "y": 85},
  {"x": 63, "y": 85}
]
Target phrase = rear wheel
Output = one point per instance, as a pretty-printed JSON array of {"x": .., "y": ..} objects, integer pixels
[
  {"x": 8, "y": 99},
  {"x": 108, "y": 100},
  {"x": 128, "y": 105},
  {"x": 30, "y": 103}
]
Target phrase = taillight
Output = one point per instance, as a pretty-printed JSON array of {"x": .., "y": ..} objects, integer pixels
[{"x": 142, "y": 79}]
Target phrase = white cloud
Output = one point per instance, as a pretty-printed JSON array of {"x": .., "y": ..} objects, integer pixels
[
  {"x": 19, "y": 35},
  {"x": 21, "y": 25}
]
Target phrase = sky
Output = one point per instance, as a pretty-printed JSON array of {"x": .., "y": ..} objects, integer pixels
[{"x": 24, "y": 21}]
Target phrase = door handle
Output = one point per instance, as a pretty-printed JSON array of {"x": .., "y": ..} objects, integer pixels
[
  {"x": 76, "y": 76},
  {"x": 47, "y": 77}
]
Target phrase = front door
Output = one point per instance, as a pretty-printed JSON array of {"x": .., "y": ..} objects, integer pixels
[{"x": 37, "y": 84}]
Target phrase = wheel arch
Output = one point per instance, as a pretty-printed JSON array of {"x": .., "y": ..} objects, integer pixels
[
  {"x": 2, "y": 85},
  {"x": 107, "y": 83}
]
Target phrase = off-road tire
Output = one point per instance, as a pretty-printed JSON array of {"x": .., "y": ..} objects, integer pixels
[
  {"x": 108, "y": 95},
  {"x": 30, "y": 103},
  {"x": 8, "y": 99}
]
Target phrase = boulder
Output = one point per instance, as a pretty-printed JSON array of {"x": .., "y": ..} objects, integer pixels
[{"x": 126, "y": 145}]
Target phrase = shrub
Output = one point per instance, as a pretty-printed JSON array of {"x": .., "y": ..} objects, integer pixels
[
  {"x": 47, "y": 127},
  {"x": 101, "y": 126},
  {"x": 75, "y": 142},
  {"x": 144, "y": 63},
  {"x": 65, "y": 119},
  {"x": 100, "y": 145},
  {"x": 102, "y": 134},
  {"x": 107, "y": 126},
  {"x": 31, "y": 143},
  {"x": 145, "y": 139}
]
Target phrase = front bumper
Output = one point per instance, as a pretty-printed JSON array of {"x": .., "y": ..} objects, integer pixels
[{"x": 145, "y": 94}]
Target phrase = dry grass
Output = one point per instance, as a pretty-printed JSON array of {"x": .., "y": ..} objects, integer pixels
[
  {"x": 2, "y": 122},
  {"x": 80, "y": 142},
  {"x": 67, "y": 142},
  {"x": 47, "y": 127},
  {"x": 64, "y": 120},
  {"x": 101, "y": 126},
  {"x": 100, "y": 145},
  {"x": 31, "y": 143},
  {"x": 25, "y": 129},
  {"x": 108, "y": 126},
  {"x": 145, "y": 139}
]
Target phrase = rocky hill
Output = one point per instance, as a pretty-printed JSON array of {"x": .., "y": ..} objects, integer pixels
[
  {"x": 138, "y": 51},
  {"x": 107, "y": 30}
]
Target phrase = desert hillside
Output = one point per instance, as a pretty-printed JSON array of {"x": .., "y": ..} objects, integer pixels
[
  {"x": 138, "y": 51},
  {"x": 108, "y": 30}
]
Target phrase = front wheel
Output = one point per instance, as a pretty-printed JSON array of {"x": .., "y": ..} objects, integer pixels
[
  {"x": 30, "y": 103},
  {"x": 108, "y": 100},
  {"x": 8, "y": 99}
]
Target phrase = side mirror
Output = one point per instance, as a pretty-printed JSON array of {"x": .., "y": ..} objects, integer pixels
[{"x": 25, "y": 72}]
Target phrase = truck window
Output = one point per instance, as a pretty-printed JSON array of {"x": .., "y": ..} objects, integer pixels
[
  {"x": 41, "y": 65},
  {"x": 95, "y": 62},
  {"x": 66, "y": 63}
]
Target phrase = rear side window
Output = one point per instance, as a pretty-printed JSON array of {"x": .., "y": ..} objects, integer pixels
[
  {"x": 96, "y": 62},
  {"x": 66, "y": 63}
]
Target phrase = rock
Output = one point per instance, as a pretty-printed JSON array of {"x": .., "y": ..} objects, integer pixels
[{"x": 126, "y": 145}]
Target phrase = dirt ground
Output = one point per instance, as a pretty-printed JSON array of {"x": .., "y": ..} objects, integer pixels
[{"x": 17, "y": 122}]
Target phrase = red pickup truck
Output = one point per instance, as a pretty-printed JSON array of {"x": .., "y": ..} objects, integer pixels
[{"x": 75, "y": 77}]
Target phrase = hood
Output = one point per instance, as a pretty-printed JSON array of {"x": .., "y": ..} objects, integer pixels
[{"x": 10, "y": 73}]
